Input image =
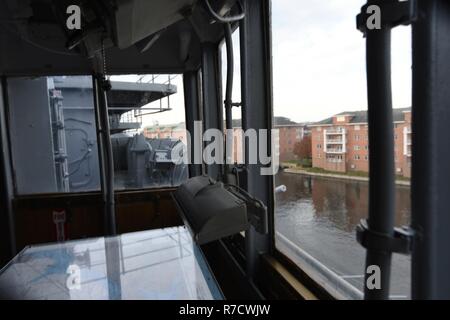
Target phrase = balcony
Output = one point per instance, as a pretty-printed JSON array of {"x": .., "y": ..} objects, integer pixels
[
  {"x": 408, "y": 152},
  {"x": 330, "y": 132},
  {"x": 334, "y": 150},
  {"x": 335, "y": 141}
]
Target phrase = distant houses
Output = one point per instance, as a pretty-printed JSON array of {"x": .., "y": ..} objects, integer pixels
[
  {"x": 341, "y": 143},
  {"x": 290, "y": 132},
  {"x": 174, "y": 131}
]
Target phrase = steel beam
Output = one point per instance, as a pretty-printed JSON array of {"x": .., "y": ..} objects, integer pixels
[
  {"x": 193, "y": 113},
  {"x": 212, "y": 97},
  {"x": 430, "y": 185},
  {"x": 7, "y": 185},
  {"x": 256, "y": 86}
]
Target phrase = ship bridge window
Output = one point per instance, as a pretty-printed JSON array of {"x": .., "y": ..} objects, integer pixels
[
  {"x": 148, "y": 131},
  {"x": 319, "y": 74},
  {"x": 53, "y": 134}
]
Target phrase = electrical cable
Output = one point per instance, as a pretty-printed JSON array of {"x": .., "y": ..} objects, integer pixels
[
  {"x": 229, "y": 19},
  {"x": 39, "y": 46}
]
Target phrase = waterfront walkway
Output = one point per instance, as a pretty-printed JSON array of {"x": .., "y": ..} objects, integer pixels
[{"x": 337, "y": 176}]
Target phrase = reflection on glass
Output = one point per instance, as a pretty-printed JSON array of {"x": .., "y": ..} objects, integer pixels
[{"x": 157, "y": 264}]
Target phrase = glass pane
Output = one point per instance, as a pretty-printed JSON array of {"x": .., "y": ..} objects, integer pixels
[
  {"x": 148, "y": 131},
  {"x": 320, "y": 107},
  {"x": 53, "y": 134},
  {"x": 150, "y": 265}
]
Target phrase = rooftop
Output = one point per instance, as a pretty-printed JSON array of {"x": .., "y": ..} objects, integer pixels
[{"x": 361, "y": 116}]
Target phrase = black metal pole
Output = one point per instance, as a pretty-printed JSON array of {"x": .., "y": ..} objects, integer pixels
[
  {"x": 430, "y": 187},
  {"x": 381, "y": 156},
  {"x": 192, "y": 106},
  {"x": 228, "y": 94},
  {"x": 5, "y": 166},
  {"x": 230, "y": 71},
  {"x": 105, "y": 153}
]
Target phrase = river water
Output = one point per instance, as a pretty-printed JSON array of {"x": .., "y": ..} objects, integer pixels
[{"x": 320, "y": 215}]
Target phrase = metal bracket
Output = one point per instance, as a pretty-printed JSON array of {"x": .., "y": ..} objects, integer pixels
[
  {"x": 393, "y": 14},
  {"x": 232, "y": 104},
  {"x": 105, "y": 84},
  {"x": 400, "y": 242},
  {"x": 256, "y": 210}
]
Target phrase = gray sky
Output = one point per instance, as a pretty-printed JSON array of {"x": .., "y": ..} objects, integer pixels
[{"x": 318, "y": 62}]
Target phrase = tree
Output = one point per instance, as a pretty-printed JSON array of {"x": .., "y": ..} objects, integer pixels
[{"x": 302, "y": 148}]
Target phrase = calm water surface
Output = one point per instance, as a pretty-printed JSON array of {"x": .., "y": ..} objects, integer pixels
[{"x": 320, "y": 216}]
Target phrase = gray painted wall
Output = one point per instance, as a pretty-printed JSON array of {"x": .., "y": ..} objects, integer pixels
[
  {"x": 81, "y": 137},
  {"x": 31, "y": 136}
]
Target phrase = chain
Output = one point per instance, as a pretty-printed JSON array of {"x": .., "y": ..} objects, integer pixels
[
  {"x": 105, "y": 82},
  {"x": 104, "y": 57}
]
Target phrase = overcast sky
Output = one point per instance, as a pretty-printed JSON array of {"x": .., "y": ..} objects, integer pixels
[{"x": 318, "y": 62}]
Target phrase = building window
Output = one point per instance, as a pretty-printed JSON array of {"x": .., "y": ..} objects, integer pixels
[
  {"x": 319, "y": 146},
  {"x": 366, "y": 158},
  {"x": 357, "y": 157},
  {"x": 319, "y": 129},
  {"x": 356, "y": 137},
  {"x": 395, "y": 136},
  {"x": 357, "y": 127},
  {"x": 356, "y": 148},
  {"x": 366, "y": 147}
]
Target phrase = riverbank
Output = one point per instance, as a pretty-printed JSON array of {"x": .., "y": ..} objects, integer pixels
[{"x": 338, "y": 176}]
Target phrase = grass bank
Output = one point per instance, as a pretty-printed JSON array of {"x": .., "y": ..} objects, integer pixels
[{"x": 351, "y": 175}]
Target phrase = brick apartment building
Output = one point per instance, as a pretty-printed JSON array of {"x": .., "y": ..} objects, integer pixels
[
  {"x": 174, "y": 131},
  {"x": 289, "y": 135},
  {"x": 290, "y": 132},
  {"x": 340, "y": 143}
]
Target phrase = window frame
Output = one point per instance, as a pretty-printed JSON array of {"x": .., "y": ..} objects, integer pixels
[{"x": 16, "y": 193}]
